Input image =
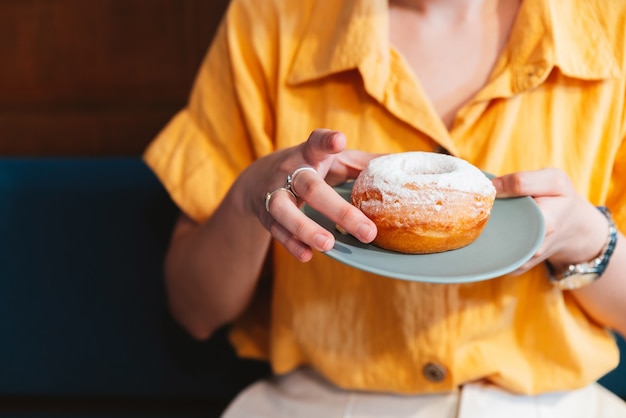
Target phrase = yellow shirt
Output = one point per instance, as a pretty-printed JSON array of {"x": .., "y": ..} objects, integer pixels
[{"x": 277, "y": 69}]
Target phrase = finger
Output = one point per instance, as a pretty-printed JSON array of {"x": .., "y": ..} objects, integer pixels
[
  {"x": 530, "y": 264},
  {"x": 356, "y": 160},
  {"x": 347, "y": 165},
  {"x": 304, "y": 181},
  {"x": 544, "y": 182},
  {"x": 294, "y": 246},
  {"x": 538, "y": 257},
  {"x": 322, "y": 143},
  {"x": 299, "y": 227},
  {"x": 542, "y": 254},
  {"x": 323, "y": 198}
]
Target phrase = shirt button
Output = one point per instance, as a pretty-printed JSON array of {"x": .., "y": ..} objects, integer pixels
[{"x": 434, "y": 372}]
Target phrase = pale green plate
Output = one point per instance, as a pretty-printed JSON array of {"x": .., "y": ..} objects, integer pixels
[{"x": 513, "y": 234}]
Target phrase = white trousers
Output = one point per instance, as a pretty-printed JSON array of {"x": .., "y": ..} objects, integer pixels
[{"x": 305, "y": 394}]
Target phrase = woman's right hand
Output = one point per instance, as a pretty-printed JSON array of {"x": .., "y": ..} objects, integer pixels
[
  {"x": 324, "y": 151},
  {"x": 212, "y": 268}
]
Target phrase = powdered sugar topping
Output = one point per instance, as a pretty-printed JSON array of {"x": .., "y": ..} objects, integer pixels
[{"x": 402, "y": 173}]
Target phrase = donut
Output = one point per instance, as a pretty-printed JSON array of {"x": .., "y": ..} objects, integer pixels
[{"x": 424, "y": 202}]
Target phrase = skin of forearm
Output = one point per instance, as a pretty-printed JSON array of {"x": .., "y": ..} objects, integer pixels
[
  {"x": 604, "y": 300},
  {"x": 211, "y": 269}
]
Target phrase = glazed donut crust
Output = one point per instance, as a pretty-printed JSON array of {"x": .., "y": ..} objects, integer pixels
[
  {"x": 414, "y": 229},
  {"x": 421, "y": 217}
]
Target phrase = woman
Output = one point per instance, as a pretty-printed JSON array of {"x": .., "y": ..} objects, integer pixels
[{"x": 531, "y": 91}]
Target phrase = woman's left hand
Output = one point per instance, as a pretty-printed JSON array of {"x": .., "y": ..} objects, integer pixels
[{"x": 575, "y": 230}]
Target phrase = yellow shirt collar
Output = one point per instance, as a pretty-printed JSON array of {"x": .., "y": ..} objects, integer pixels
[
  {"x": 355, "y": 36},
  {"x": 552, "y": 34},
  {"x": 343, "y": 36}
]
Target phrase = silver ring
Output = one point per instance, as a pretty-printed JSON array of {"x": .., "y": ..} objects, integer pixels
[
  {"x": 268, "y": 196},
  {"x": 291, "y": 177}
]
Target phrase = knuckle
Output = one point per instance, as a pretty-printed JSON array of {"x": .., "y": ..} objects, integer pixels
[
  {"x": 301, "y": 229},
  {"x": 344, "y": 213},
  {"x": 276, "y": 230},
  {"x": 306, "y": 187},
  {"x": 517, "y": 184},
  {"x": 561, "y": 181}
]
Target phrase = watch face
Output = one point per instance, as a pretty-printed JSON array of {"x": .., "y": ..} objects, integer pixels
[{"x": 576, "y": 280}]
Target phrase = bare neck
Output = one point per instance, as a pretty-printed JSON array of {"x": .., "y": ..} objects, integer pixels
[{"x": 451, "y": 49}]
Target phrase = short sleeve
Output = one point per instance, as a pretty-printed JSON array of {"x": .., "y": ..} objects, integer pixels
[{"x": 227, "y": 123}]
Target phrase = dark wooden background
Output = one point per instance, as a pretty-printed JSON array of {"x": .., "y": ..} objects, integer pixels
[{"x": 96, "y": 77}]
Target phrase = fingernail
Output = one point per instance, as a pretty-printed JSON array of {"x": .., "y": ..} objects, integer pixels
[
  {"x": 322, "y": 242},
  {"x": 365, "y": 232}
]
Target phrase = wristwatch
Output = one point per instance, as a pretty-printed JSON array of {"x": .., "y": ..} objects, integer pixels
[{"x": 583, "y": 274}]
